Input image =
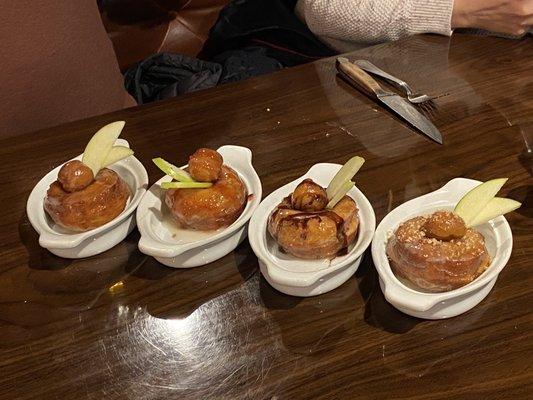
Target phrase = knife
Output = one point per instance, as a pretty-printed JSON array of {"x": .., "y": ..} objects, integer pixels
[{"x": 396, "y": 103}]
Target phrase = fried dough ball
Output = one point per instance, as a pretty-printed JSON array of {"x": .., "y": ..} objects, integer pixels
[
  {"x": 74, "y": 176},
  {"x": 444, "y": 225},
  {"x": 93, "y": 206},
  {"x": 314, "y": 234},
  {"x": 205, "y": 165},
  {"x": 433, "y": 264},
  {"x": 309, "y": 196},
  {"x": 211, "y": 208}
]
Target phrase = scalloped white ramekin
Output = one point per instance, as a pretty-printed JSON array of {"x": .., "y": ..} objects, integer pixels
[
  {"x": 299, "y": 277},
  {"x": 498, "y": 239},
  {"x": 85, "y": 244},
  {"x": 181, "y": 248}
]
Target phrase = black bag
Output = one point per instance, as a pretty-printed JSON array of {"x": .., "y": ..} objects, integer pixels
[
  {"x": 169, "y": 75},
  {"x": 250, "y": 38}
]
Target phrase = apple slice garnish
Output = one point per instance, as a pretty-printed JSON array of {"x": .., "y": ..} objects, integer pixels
[
  {"x": 494, "y": 208},
  {"x": 345, "y": 174},
  {"x": 341, "y": 192},
  {"x": 342, "y": 181},
  {"x": 117, "y": 153},
  {"x": 172, "y": 171},
  {"x": 472, "y": 203},
  {"x": 185, "y": 185},
  {"x": 100, "y": 145}
]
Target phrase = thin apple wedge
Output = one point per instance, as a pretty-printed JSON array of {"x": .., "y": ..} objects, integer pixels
[
  {"x": 116, "y": 154},
  {"x": 472, "y": 203},
  {"x": 100, "y": 144},
  {"x": 185, "y": 185},
  {"x": 341, "y": 192},
  {"x": 344, "y": 176},
  {"x": 172, "y": 171},
  {"x": 495, "y": 207}
]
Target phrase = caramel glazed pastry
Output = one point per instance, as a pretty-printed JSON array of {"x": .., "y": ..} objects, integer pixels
[
  {"x": 303, "y": 227},
  {"x": 80, "y": 201},
  {"x": 438, "y": 252},
  {"x": 210, "y": 208}
]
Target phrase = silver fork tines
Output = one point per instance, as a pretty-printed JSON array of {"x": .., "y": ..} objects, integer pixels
[{"x": 423, "y": 101}]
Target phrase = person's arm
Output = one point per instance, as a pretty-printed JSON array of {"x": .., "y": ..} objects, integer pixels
[
  {"x": 375, "y": 21},
  {"x": 512, "y": 17}
]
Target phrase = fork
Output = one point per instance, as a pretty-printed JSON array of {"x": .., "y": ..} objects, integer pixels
[{"x": 422, "y": 100}]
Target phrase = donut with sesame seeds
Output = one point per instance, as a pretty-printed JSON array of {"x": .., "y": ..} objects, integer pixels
[{"x": 437, "y": 252}]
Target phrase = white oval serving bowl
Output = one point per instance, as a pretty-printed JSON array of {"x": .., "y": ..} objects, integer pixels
[
  {"x": 498, "y": 240},
  {"x": 67, "y": 244},
  {"x": 183, "y": 248},
  {"x": 300, "y": 277}
]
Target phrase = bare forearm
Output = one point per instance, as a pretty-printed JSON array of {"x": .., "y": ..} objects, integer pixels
[{"x": 512, "y": 17}]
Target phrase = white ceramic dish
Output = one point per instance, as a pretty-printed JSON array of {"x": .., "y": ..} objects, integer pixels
[
  {"x": 67, "y": 244},
  {"x": 182, "y": 248},
  {"x": 300, "y": 277},
  {"x": 498, "y": 240}
]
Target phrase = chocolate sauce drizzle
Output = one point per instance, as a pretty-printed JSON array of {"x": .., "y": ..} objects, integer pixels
[{"x": 301, "y": 220}]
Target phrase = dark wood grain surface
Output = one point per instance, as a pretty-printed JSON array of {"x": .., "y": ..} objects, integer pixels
[{"x": 122, "y": 326}]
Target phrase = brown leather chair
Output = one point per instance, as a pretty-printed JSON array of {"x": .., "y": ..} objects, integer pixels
[
  {"x": 56, "y": 65},
  {"x": 140, "y": 28}
]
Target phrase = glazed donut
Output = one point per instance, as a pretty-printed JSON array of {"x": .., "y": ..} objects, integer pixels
[
  {"x": 208, "y": 209},
  {"x": 437, "y": 252},
  {"x": 73, "y": 202},
  {"x": 318, "y": 234}
]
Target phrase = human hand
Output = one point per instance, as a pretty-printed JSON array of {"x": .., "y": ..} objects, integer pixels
[{"x": 512, "y": 17}]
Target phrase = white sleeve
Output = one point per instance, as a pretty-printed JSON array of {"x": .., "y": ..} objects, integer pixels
[{"x": 375, "y": 21}]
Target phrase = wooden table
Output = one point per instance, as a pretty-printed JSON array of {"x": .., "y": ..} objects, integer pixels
[{"x": 120, "y": 325}]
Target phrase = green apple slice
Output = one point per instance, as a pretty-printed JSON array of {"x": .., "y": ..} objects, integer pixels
[
  {"x": 117, "y": 153},
  {"x": 495, "y": 207},
  {"x": 476, "y": 199},
  {"x": 172, "y": 171},
  {"x": 185, "y": 185},
  {"x": 345, "y": 188},
  {"x": 344, "y": 176},
  {"x": 100, "y": 144}
]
